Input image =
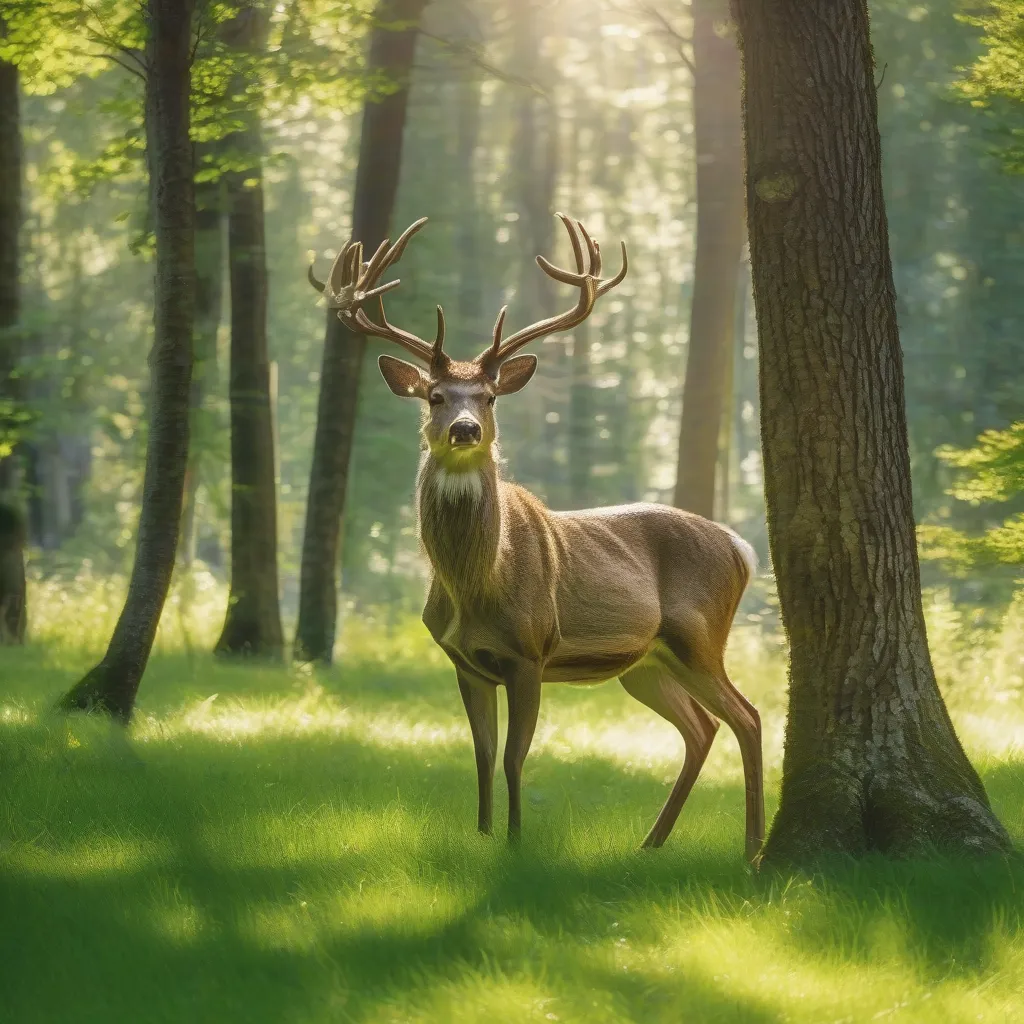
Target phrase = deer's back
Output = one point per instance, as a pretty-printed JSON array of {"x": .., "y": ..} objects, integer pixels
[{"x": 627, "y": 569}]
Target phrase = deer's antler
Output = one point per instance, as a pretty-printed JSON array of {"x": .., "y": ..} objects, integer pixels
[
  {"x": 589, "y": 282},
  {"x": 352, "y": 283}
]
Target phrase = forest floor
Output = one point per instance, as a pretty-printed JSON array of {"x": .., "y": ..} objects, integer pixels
[{"x": 283, "y": 846}]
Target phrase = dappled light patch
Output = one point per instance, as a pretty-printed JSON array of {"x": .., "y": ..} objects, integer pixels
[
  {"x": 175, "y": 916},
  {"x": 98, "y": 856}
]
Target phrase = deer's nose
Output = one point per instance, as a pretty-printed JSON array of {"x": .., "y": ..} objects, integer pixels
[{"x": 464, "y": 433}]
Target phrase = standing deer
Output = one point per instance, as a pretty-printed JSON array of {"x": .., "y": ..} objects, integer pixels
[{"x": 522, "y": 595}]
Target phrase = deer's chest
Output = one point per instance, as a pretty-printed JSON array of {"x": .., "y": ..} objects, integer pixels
[{"x": 480, "y": 638}]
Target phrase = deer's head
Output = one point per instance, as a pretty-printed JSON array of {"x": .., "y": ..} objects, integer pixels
[{"x": 459, "y": 397}]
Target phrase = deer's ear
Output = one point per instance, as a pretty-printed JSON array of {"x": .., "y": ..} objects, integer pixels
[
  {"x": 404, "y": 379},
  {"x": 515, "y": 374}
]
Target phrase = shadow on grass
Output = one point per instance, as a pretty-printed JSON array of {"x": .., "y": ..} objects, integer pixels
[{"x": 320, "y": 877}]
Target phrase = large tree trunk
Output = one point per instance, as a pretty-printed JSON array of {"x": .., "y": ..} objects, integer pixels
[
  {"x": 871, "y": 759},
  {"x": 719, "y": 152},
  {"x": 253, "y": 621},
  {"x": 380, "y": 160},
  {"x": 112, "y": 685}
]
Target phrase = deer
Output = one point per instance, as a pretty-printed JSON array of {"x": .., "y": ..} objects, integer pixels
[{"x": 521, "y": 595}]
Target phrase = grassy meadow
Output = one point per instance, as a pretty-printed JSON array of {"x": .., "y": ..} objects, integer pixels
[{"x": 292, "y": 846}]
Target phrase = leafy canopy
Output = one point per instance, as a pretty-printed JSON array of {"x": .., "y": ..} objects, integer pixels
[{"x": 993, "y": 472}]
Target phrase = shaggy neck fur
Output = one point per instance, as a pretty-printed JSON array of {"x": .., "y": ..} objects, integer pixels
[{"x": 460, "y": 522}]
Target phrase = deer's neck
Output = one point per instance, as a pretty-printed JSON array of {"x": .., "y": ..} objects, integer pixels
[{"x": 460, "y": 523}]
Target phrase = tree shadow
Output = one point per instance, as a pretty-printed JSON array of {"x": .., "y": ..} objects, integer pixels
[{"x": 290, "y": 826}]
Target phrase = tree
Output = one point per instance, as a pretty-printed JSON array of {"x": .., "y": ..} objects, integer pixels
[
  {"x": 112, "y": 685},
  {"x": 209, "y": 287},
  {"x": 380, "y": 157},
  {"x": 871, "y": 758},
  {"x": 253, "y": 621},
  {"x": 10, "y": 285},
  {"x": 719, "y": 161},
  {"x": 12, "y": 576},
  {"x": 12, "y": 558}
]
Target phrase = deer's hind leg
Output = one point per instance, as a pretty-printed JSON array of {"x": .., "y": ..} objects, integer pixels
[
  {"x": 702, "y": 672},
  {"x": 653, "y": 683}
]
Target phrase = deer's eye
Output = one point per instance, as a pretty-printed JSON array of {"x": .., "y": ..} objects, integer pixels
[
  {"x": 490, "y": 400},
  {"x": 436, "y": 398}
]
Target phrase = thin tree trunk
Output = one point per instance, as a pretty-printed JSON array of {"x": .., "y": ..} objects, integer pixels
[
  {"x": 719, "y": 153},
  {"x": 12, "y": 528},
  {"x": 13, "y": 609},
  {"x": 10, "y": 265},
  {"x": 380, "y": 159},
  {"x": 871, "y": 759},
  {"x": 532, "y": 176},
  {"x": 470, "y": 298},
  {"x": 723, "y": 466},
  {"x": 209, "y": 293},
  {"x": 581, "y": 419},
  {"x": 253, "y": 621},
  {"x": 112, "y": 685}
]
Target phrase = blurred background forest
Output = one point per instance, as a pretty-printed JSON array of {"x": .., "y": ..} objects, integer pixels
[{"x": 515, "y": 110}]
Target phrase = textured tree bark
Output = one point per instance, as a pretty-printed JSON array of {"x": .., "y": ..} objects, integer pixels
[
  {"x": 871, "y": 758},
  {"x": 112, "y": 685},
  {"x": 380, "y": 159},
  {"x": 718, "y": 142},
  {"x": 252, "y": 625}
]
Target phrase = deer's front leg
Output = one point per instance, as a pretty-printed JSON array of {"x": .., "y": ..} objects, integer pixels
[
  {"x": 523, "y": 687},
  {"x": 481, "y": 701}
]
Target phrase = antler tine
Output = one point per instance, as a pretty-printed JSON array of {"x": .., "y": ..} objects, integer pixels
[
  {"x": 607, "y": 286},
  {"x": 395, "y": 252},
  {"x": 588, "y": 281},
  {"x": 339, "y": 261},
  {"x": 496, "y": 336},
  {"x": 437, "y": 355},
  {"x": 413, "y": 345},
  {"x": 374, "y": 268},
  {"x": 351, "y": 284},
  {"x": 339, "y": 272},
  {"x": 384, "y": 257},
  {"x": 381, "y": 289},
  {"x": 574, "y": 237},
  {"x": 593, "y": 251}
]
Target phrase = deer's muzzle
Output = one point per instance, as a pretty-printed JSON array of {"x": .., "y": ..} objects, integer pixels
[{"x": 464, "y": 433}]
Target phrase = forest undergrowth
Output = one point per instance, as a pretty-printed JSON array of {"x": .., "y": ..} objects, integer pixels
[{"x": 275, "y": 844}]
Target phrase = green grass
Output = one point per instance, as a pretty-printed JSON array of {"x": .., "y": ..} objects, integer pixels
[{"x": 294, "y": 847}]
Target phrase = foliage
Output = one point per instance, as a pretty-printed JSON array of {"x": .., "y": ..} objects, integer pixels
[
  {"x": 998, "y": 73},
  {"x": 994, "y": 472},
  {"x": 621, "y": 98},
  {"x": 288, "y": 845}
]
